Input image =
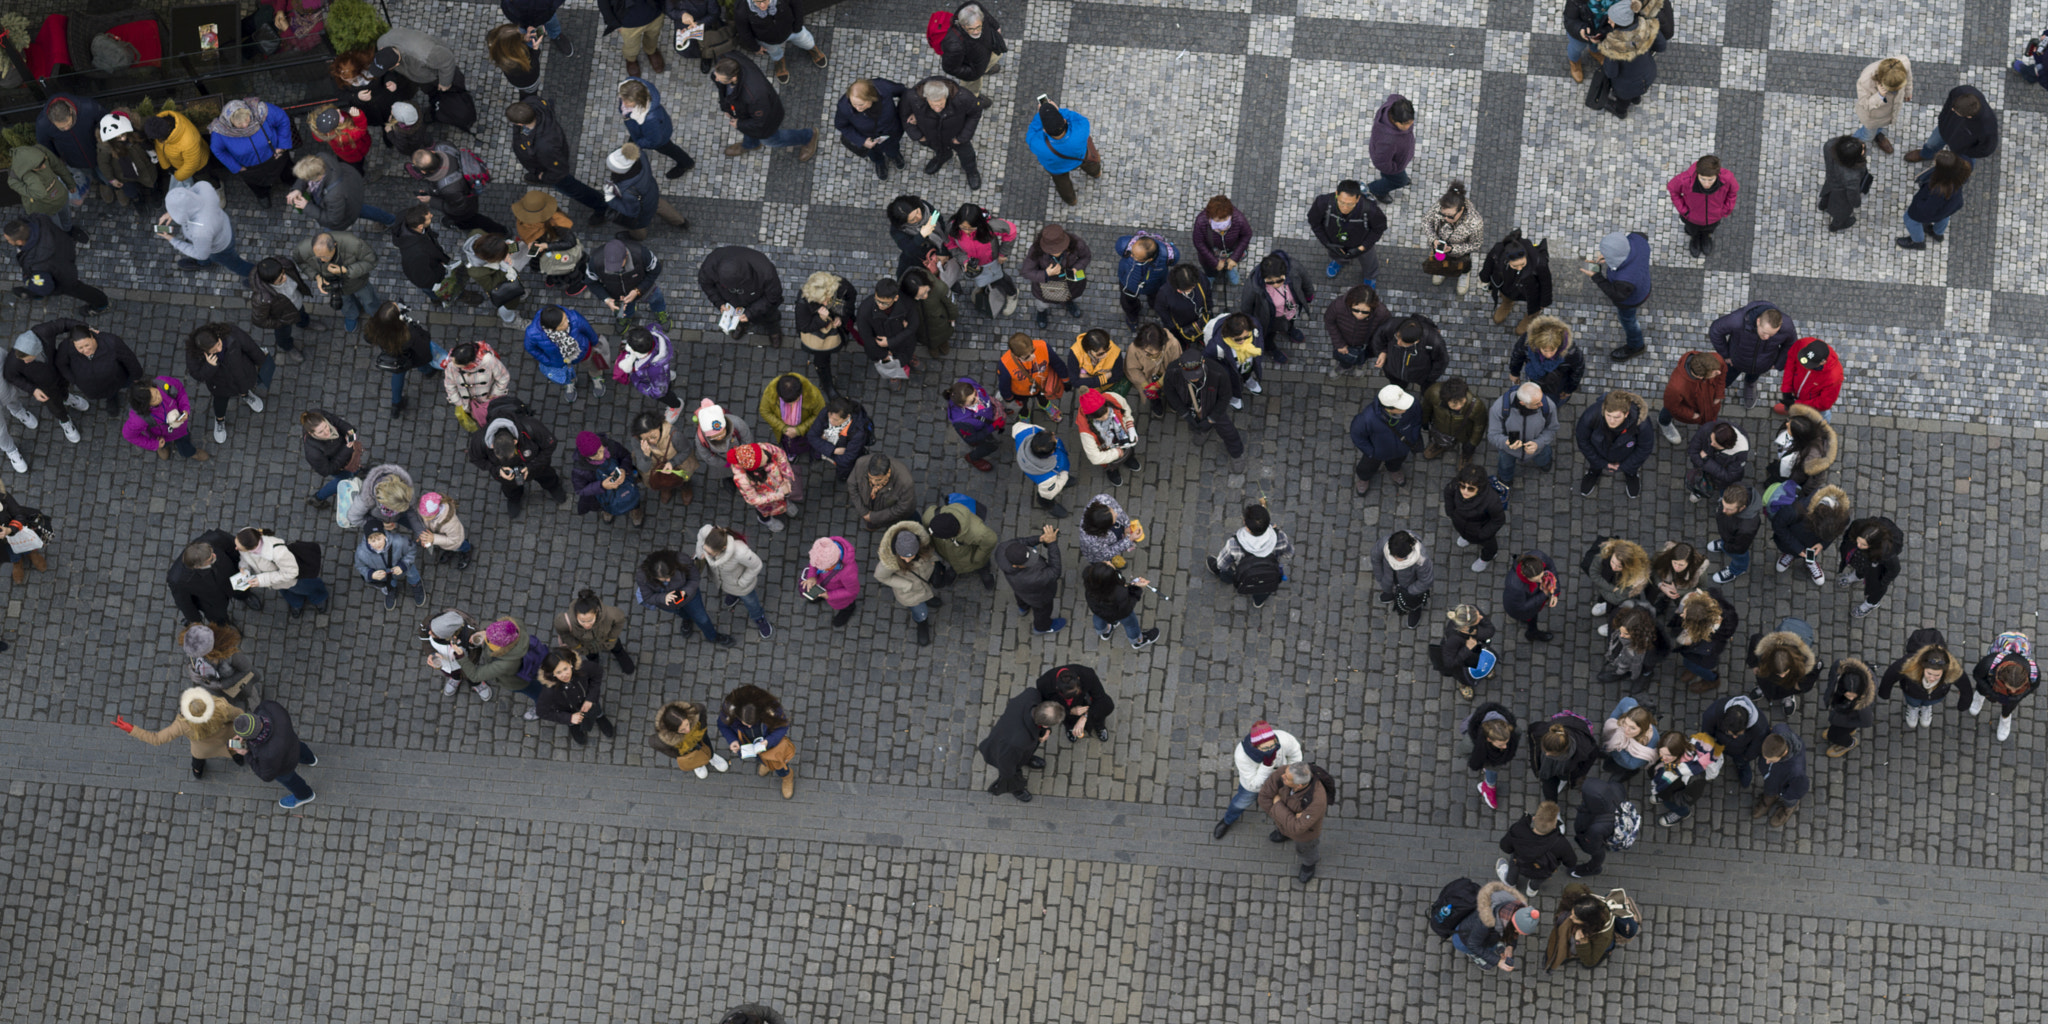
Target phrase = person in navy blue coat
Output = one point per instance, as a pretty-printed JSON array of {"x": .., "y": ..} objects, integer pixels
[
  {"x": 1385, "y": 432},
  {"x": 1940, "y": 197},
  {"x": 1616, "y": 436},
  {"x": 648, "y": 125},
  {"x": 633, "y": 197},
  {"x": 1624, "y": 277},
  {"x": 869, "y": 123}
]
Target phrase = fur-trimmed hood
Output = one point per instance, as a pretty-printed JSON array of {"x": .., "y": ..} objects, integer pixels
[
  {"x": 1635, "y": 563},
  {"x": 1637, "y": 39},
  {"x": 764, "y": 703},
  {"x": 1911, "y": 670},
  {"x": 1698, "y": 630},
  {"x": 1486, "y": 894},
  {"x": 690, "y": 710},
  {"x": 1866, "y": 683},
  {"x": 1545, "y": 328},
  {"x": 1828, "y": 513},
  {"x": 1820, "y": 456},
  {"x": 1802, "y": 655},
  {"x": 1661, "y": 569}
]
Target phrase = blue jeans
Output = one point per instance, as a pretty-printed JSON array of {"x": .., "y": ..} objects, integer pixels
[
  {"x": 782, "y": 138},
  {"x": 291, "y": 781},
  {"x": 553, "y": 26},
  {"x": 918, "y": 612},
  {"x": 231, "y": 261},
  {"x": 398, "y": 379},
  {"x": 1505, "y": 468},
  {"x": 1916, "y": 702},
  {"x": 1700, "y": 669},
  {"x": 401, "y": 574},
  {"x": 1575, "y": 49},
  {"x": 693, "y": 609},
  {"x": 656, "y": 302},
  {"x": 381, "y": 216},
  {"x": 1356, "y": 357},
  {"x": 1490, "y": 777},
  {"x": 361, "y": 302},
  {"x": 801, "y": 39},
  {"x": 1918, "y": 231},
  {"x": 1632, "y": 333},
  {"x": 1389, "y": 181},
  {"x": 304, "y": 592},
  {"x": 332, "y": 484},
  {"x": 1935, "y": 144},
  {"x": 1738, "y": 564},
  {"x": 1132, "y": 629},
  {"x": 1240, "y": 802},
  {"x": 752, "y": 600},
  {"x": 1868, "y": 134}
]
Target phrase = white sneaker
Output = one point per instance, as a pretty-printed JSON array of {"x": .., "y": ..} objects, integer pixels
[
  {"x": 452, "y": 685},
  {"x": 719, "y": 762},
  {"x": 1670, "y": 431},
  {"x": 220, "y": 431},
  {"x": 1813, "y": 569},
  {"x": 1464, "y": 284},
  {"x": 1714, "y": 547},
  {"x": 1500, "y": 868},
  {"x": 1912, "y": 716},
  {"x": 1480, "y": 564},
  {"x": 1599, "y": 609},
  {"x": 569, "y": 392},
  {"x": 78, "y": 402},
  {"x": 1237, "y": 403},
  {"x": 20, "y": 464},
  {"x": 27, "y": 418},
  {"x": 1462, "y": 542},
  {"x": 2004, "y": 729},
  {"x": 1602, "y": 630},
  {"x": 507, "y": 315},
  {"x": 253, "y": 401},
  {"x": 671, "y": 414},
  {"x": 701, "y": 772},
  {"x": 1976, "y": 703},
  {"x": 597, "y": 386},
  {"x": 1439, "y": 279},
  {"x": 70, "y": 431},
  {"x": 1252, "y": 385},
  {"x": 1783, "y": 563}
]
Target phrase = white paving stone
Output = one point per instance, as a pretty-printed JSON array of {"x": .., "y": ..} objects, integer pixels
[{"x": 1792, "y": 235}]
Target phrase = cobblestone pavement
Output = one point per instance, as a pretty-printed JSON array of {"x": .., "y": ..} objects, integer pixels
[{"x": 462, "y": 864}]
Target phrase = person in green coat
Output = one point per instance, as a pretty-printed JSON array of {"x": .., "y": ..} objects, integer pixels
[
  {"x": 1452, "y": 417},
  {"x": 43, "y": 183},
  {"x": 963, "y": 540},
  {"x": 788, "y": 406},
  {"x": 935, "y": 301}
]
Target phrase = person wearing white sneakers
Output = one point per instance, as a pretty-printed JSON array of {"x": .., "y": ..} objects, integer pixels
[
  {"x": 1925, "y": 673},
  {"x": 1454, "y": 231},
  {"x": 446, "y": 638},
  {"x": 1477, "y": 513},
  {"x": 679, "y": 732},
  {"x": 2005, "y": 677},
  {"x": 29, "y": 372},
  {"x": 1870, "y": 556},
  {"x": 1803, "y": 527},
  {"x": 231, "y": 365},
  {"x": 7, "y": 440}
]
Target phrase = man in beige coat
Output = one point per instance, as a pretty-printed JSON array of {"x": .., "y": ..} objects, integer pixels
[{"x": 1296, "y": 802}]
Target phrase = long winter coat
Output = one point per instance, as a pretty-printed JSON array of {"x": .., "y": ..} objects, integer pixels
[
  {"x": 736, "y": 570},
  {"x": 910, "y": 581},
  {"x": 1014, "y": 739},
  {"x": 208, "y": 736},
  {"x": 1873, "y": 108},
  {"x": 1843, "y": 187}
]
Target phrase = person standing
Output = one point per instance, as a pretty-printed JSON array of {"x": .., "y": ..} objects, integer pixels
[
  {"x": 1925, "y": 673},
  {"x": 963, "y": 540},
  {"x": 180, "y": 146},
  {"x": 195, "y": 225},
  {"x": 389, "y": 560},
  {"x": 1785, "y": 781},
  {"x": 1079, "y": 693},
  {"x": 278, "y": 298},
  {"x": 1279, "y": 305},
  {"x": 1522, "y": 425},
  {"x": 679, "y": 732},
  {"x": 1517, "y": 271},
  {"x": 941, "y": 116},
  {"x": 1061, "y": 141},
  {"x": 205, "y": 719},
  {"x": 1392, "y": 145},
  {"x": 2005, "y": 676},
  {"x": 1547, "y": 356},
  {"x": 1846, "y": 181},
  {"x": 1491, "y": 729},
  {"x": 769, "y": 28},
  {"x": 1112, "y": 602},
  {"x": 124, "y": 162},
  {"x": 1585, "y": 25},
  {"x": 1042, "y": 457},
  {"x": 331, "y": 192},
  {"x": 840, "y": 436},
  {"x": 1784, "y": 664},
  {"x": 1410, "y": 352},
  {"x": 1200, "y": 390},
  {"x": 1629, "y": 53},
  {"x": 1967, "y": 127},
  {"x": 341, "y": 266},
  {"x": 1476, "y": 512},
  {"x": 48, "y": 258},
  {"x": 736, "y": 279},
  {"x": 1403, "y": 571},
  {"x": 1142, "y": 267},
  {"x": 1032, "y": 565},
  {"x": 888, "y": 324},
  {"x": 627, "y": 272},
  {"x": 1222, "y": 235},
  {"x": 1562, "y": 751},
  {"x": 44, "y": 185},
  {"x": 1693, "y": 395},
  {"x": 766, "y": 482},
  {"x": 68, "y": 128},
  {"x": 1349, "y": 226},
  {"x": 1297, "y": 801},
  {"x": 1754, "y": 340},
  {"x": 1802, "y": 526},
  {"x": 569, "y": 691},
  {"x": 870, "y": 124},
  {"x": 639, "y": 24},
  {"x": 1849, "y": 700},
  {"x": 269, "y": 563},
  {"x": 159, "y": 420},
  {"x": 1599, "y": 813},
  {"x": 833, "y": 576},
  {"x": 1939, "y": 198},
  {"x": 1109, "y": 433},
  {"x": 1615, "y": 437},
  {"x": 542, "y": 147},
  {"x": 442, "y": 530},
  {"x": 231, "y": 365},
  {"x": 1183, "y": 305},
  {"x": 1624, "y": 277},
  {"x": 972, "y": 47},
  {"x": 28, "y": 370},
  {"x": 515, "y": 448},
  {"x": 605, "y": 479},
  {"x": 732, "y": 566},
  {"x": 1454, "y": 231},
  {"x": 542, "y": 15},
  {"x": 332, "y": 449},
  {"x": 592, "y": 628},
  {"x": 266, "y": 741},
  {"x": 1870, "y": 556},
  {"x": 1385, "y": 433},
  {"x": 1532, "y": 587},
  {"x": 882, "y": 491},
  {"x": 1057, "y": 267},
  {"x": 1500, "y": 917},
  {"x": 1452, "y": 418},
  {"x": 670, "y": 583},
  {"x": 1700, "y": 628},
  {"x": 1012, "y": 744},
  {"x": 1739, "y": 726},
  {"x": 562, "y": 342},
  {"x": 1704, "y": 195},
  {"x": 907, "y": 565},
  {"x": 442, "y": 183},
  {"x": 1883, "y": 87}
]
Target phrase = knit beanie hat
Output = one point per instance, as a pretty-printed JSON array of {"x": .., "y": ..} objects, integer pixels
[
  {"x": 1621, "y": 15},
  {"x": 588, "y": 444},
  {"x": 1050, "y": 118},
  {"x": 1614, "y": 246},
  {"x": 327, "y": 122},
  {"x": 1525, "y": 918},
  {"x": 824, "y": 553},
  {"x": 501, "y": 633},
  {"x": 1092, "y": 402},
  {"x": 945, "y": 526},
  {"x": 623, "y": 158},
  {"x": 431, "y": 504},
  {"x": 710, "y": 417},
  {"x": 198, "y": 642},
  {"x": 445, "y": 625},
  {"x": 1261, "y": 732},
  {"x": 405, "y": 113},
  {"x": 905, "y": 544}
]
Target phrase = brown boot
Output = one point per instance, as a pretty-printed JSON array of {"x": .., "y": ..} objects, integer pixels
[
  {"x": 762, "y": 768},
  {"x": 667, "y": 495},
  {"x": 1838, "y": 751},
  {"x": 804, "y": 155},
  {"x": 1699, "y": 685},
  {"x": 789, "y": 786},
  {"x": 782, "y": 70},
  {"x": 818, "y": 56},
  {"x": 686, "y": 494},
  {"x": 735, "y": 149},
  {"x": 1578, "y": 70},
  {"x": 1884, "y": 144},
  {"x": 20, "y": 571},
  {"x": 1778, "y": 820},
  {"x": 633, "y": 69},
  {"x": 1522, "y": 325},
  {"x": 1763, "y": 807},
  {"x": 1500, "y": 312},
  {"x": 1433, "y": 451},
  {"x": 654, "y": 61},
  {"x": 35, "y": 558}
]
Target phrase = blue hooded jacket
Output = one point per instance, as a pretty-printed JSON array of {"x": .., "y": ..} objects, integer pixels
[
  {"x": 549, "y": 355},
  {"x": 1387, "y": 439},
  {"x": 1058, "y": 156},
  {"x": 656, "y": 130},
  {"x": 240, "y": 154}
]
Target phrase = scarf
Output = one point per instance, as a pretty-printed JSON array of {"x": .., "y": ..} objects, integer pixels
[
  {"x": 1538, "y": 366},
  {"x": 637, "y": 115},
  {"x": 792, "y": 412},
  {"x": 1246, "y": 351},
  {"x": 1264, "y": 757},
  {"x": 258, "y": 110},
  {"x": 631, "y": 361},
  {"x": 1111, "y": 429},
  {"x": 1035, "y": 466},
  {"x": 565, "y": 343},
  {"x": 835, "y": 431},
  {"x": 203, "y": 670},
  {"x": 1539, "y": 583}
]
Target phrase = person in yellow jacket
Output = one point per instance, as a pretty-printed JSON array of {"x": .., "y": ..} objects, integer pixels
[{"x": 180, "y": 148}]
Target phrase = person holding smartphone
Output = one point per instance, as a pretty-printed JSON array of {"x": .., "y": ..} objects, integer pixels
[{"x": 1523, "y": 426}]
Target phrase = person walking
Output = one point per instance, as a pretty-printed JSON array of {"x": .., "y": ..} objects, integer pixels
[
  {"x": 731, "y": 565},
  {"x": 159, "y": 420},
  {"x": 515, "y": 448},
  {"x": 205, "y": 720},
  {"x": 28, "y": 370},
  {"x": 649, "y": 127},
  {"x": 1940, "y": 197},
  {"x": 971, "y": 46},
  {"x": 389, "y": 560},
  {"x": 1870, "y": 556},
  {"x": 272, "y": 749},
  {"x": 1477, "y": 513},
  {"x": 1849, "y": 700},
  {"x": 1692, "y": 396},
  {"x": 443, "y": 184},
  {"x": 542, "y": 147},
  {"x": 571, "y": 693},
  {"x": 605, "y": 479},
  {"x": 1925, "y": 673},
  {"x": 1598, "y": 818},
  {"x": 268, "y": 563},
  {"x": 1061, "y": 140},
  {"x": 1547, "y": 356},
  {"x": 277, "y": 301},
  {"x": 1453, "y": 231},
  {"x": 870, "y": 124},
  {"x": 1032, "y": 567},
  {"x": 2006, "y": 675},
  {"x": 403, "y": 347},
  {"x": 562, "y": 342},
  {"x": 1112, "y": 602},
  {"x": 1624, "y": 277},
  {"x": 1349, "y": 226},
  {"x": 907, "y": 564},
  {"x": 626, "y": 272},
  {"x": 1882, "y": 88},
  {"x": 1754, "y": 341},
  {"x": 331, "y": 192},
  {"x": 1202, "y": 391},
  {"x": 667, "y": 582},
  {"x": 1522, "y": 425},
  {"x": 592, "y": 629},
  {"x": 680, "y": 732},
  {"x": 199, "y": 230},
  {"x": 231, "y": 365},
  {"x": 1845, "y": 182},
  {"x": 1222, "y": 235},
  {"x": 1385, "y": 432},
  {"x": 1615, "y": 438},
  {"x": 769, "y": 28},
  {"x": 1012, "y": 744},
  {"x": 1517, "y": 271},
  {"x": 1391, "y": 146},
  {"x": 962, "y": 538},
  {"x": 1967, "y": 127},
  {"x": 48, "y": 258},
  {"x": 634, "y": 197},
  {"x": 833, "y": 576},
  {"x": 1532, "y": 587},
  {"x": 1704, "y": 195}
]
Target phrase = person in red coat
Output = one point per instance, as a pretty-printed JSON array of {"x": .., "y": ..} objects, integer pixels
[
  {"x": 1813, "y": 376},
  {"x": 1693, "y": 395},
  {"x": 1704, "y": 194}
]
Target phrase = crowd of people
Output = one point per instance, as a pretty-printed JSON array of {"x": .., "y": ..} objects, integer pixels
[{"x": 1184, "y": 349}]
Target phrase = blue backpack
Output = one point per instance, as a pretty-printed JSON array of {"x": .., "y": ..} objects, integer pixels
[
  {"x": 537, "y": 651},
  {"x": 956, "y": 498}
]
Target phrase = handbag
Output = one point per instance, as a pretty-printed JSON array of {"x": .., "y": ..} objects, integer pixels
[
  {"x": 357, "y": 455},
  {"x": 463, "y": 417},
  {"x": 508, "y": 294},
  {"x": 943, "y": 574},
  {"x": 694, "y": 759},
  {"x": 1056, "y": 290},
  {"x": 891, "y": 368},
  {"x": 779, "y": 756},
  {"x": 942, "y": 267}
]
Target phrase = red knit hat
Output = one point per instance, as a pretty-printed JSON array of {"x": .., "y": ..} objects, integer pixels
[
  {"x": 1261, "y": 732},
  {"x": 1092, "y": 402}
]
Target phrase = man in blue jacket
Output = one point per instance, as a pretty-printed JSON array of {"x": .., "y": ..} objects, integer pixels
[
  {"x": 1753, "y": 340},
  {"x": 1060, "y": 140},
  {"x": 1384, "y": 433},
  {"x": 560, "y": 340},
  {"x": 1624, "y": 277},
  {"x": 1616, "y": 436},
  {"x": 1145, "y": 261}
]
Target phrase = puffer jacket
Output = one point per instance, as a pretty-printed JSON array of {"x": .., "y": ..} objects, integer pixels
[
  {"x": 1628, "y": 445},
  {"x": 910, "y": 581},
  {"x": 736, "y": 571},
  {"x": 184, "y": 152}
]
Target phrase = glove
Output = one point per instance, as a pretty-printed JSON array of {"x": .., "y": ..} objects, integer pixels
[
  {"x": 611, "y": 192},
  {"x": 122, "y": 724}
]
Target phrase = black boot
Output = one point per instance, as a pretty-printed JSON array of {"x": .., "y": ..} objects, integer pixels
[
  {"x": 198, "y": 768},
  {"x": 623, "y": 657},
  {"x": 604, "y": 725},
  {"x": 580, "y": 735}
]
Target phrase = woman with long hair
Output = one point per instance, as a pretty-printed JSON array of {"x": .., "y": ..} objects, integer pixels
[
  {"x": 1113, "y": 602},
  {"x": 1940, "y": 197},
  {"x": 571, "y": 693},
  {"x": 403, "y": 346}
]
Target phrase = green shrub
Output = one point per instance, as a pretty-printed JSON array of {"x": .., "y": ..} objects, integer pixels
[{"x": 353, "y": 25}]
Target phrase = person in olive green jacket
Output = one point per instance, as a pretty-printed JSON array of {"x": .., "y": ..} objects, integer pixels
[
  {"x": 42, "y": 182},
  {"x": 591, "y": 627},
  {"x": 493, "y": 658},
  {"x": 935, "y": 301},
  {"x": 1452, "y": 416},
  {"x": 963, "y": 540},
  {"x": 339, "y": 262},
  {"x": 788, "y": 405}
]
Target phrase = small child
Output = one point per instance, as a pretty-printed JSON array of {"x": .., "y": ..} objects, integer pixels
[
  {"x": 1785, "y": 779},
  {"x": 1683, "y": 763},
  {"x": 1849, "y": 701},
  {"x": 446, "y": 638},
  {"x": 348, "y": 134},
  {"x": 444, "y": 532},
  {"x": 1491, "y": 728},
  {"x": 1738, "y": 522},
  {"x": 679, "y": 733}
]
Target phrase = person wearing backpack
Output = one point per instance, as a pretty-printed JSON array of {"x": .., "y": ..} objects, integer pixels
[
  {"x": 1535, "y": 850},
  {"x": 1251, "y": 559},
  {"x": 1561, "y": 753},
  {"x": 1785, "y": 780},
  {"x": 269, "y": 563},
  {"x": 1297, "y": 801},
  {"x": 1491, "y": 728},
  {"x": 1522, "y": 426},
  {"x": 2005, "y": 676},
  {"x": 1926, "y": 672},
  {"x": 1599, "y": 821}
]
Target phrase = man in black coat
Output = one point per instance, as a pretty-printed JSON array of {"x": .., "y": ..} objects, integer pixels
[
  {"x": 1600, "y": 803},
  {"x": 942, "y": 117},
  {"x": 514, "y": 447},
  {"x": 1410, "y": 352},
  {"x": 265, "y": 740},
  {"x": 49, "y": 262},
  {"x": 544, "y": 15},
  {"x": 744, "y": 279},
  {"x": 888, "y": 324},
  {"x": 1349, "y": 225},
  {"x": 968, "y": 52},
  {"x": 541, "y": 147},
  {"x": 1616, "y": 436},
  {"x": 626, "y": 272},
  {"x": 199, "y": 579},
  {"x": 420, "y": 255},
  {"x": 1078, "y": 691},
  {"x": 770, "y": 28},
  {"x": 1012, "y": 745},
  {"x": 1740, "y": 727},
  {"x": 1535, "y": 850},
  {"x": 755, "y": 111},
  {"x": 1967, "y": 125},
  {"x": 1033, "y": 569},
  {"x": 1201, "y": 390},
  {"x": 98, "y": 365},
  {"x": 440, "y": 173}
]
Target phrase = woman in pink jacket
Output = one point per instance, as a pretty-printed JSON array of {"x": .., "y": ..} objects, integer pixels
[
  {"x": 834, "y": 576},
  {"x": 160, "y": 419},
  {"x": 1703, "y": 194}
]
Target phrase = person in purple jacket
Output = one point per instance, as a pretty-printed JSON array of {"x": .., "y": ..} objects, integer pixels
[
  {"x": 833, "y": 576},
  {"x": 160, "y": 419},
  {"x": 1393, "y": 145},
  {"x": 1222, "y": 234}
]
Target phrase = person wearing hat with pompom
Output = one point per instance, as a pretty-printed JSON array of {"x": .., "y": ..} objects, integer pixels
[
  {"x": 1061, "y": 141},
  {"x": 1488, "y": 934},
  {"x": 272, "y": 749},
  {"x": 1812, "y": 377},
  {"x": 633, "y": 196},
  {"x": 205, "y": 719},
  {"x": 1263, "y": 751},
  {"x": 444, "y": 532},
  {"x": 1384, "y": 433},
  {"x": 405, "y": 131},
  {"x": 605, "y": 479},
  {"x": 832, "y": 575}
]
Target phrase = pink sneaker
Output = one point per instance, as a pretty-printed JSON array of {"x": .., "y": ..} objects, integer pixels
[{"x": 1490, "y": 795}]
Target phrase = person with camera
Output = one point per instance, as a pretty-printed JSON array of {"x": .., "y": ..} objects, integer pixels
[
  {"x": 1032, "y": 565},
  {"x": 626, "y": 272},
  {"x": 668, "y": 582},
  {"x": 1200, "y": 389},
  {"x": 332, "y": 192},
  {"x": 231, "y": 365},
  {"x": 341, "y": 266},
  {"x": 515, "y": 448},
  {"x": 605, "y": 479},
  {"x": 277, "y": 300},
  {"x": 490, "y": 261},
  {"x": 387, "y": 560}
]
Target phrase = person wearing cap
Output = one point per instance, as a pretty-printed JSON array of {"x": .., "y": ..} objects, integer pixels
[
  {"x": 1535, "y": 850},
  {"x": 253, "y": 140},
  {"x": 1385, "y": 432},
  {"x": 272, "y": 749},
  {"x": 1057, "y": 267},
  {"x": 1200, "y": 390},
  {"x": 627, "y": 272},
  {"x": 1488, "y": 934},
  {"x": 544, "y": 15},
  {"x": 346, "y": 132},
  {"x": 549, "y": 238},
  {"x": 205, "y": 719},
  {"x": 832, "y": 574},
  {"x": 1109, "y": 433},
  {"x": 887, "y": 325},
  {"x": 404, "y": 131},
  {"x": 202, "y": 233},
  {"x": 1404, "y": 573},
  {"x": 542, "y": 147},
  {"x": 840, "y": 436},
  {"x": 870, "y": 122},
  {"x": 1812, "y": 377},
  {"x": 668, "y": 582},
  {"x": 735, "y": 278},
  {"x": 605, "y": 479},
  {"x": 1264, "y": 751},
  {"x": 27, "y": 369},
  {"x": 1628, "y": 52},
  {"x": 386, "y": 560},
  {"x": 180, "y": 146},
  {"x": 341, "y": 266},
  {"x": 1349, "y": 225},
  {"x": 752, "y": 107},
  {"x": 962, "y": 539},
  {"x": 942, "y": 116},
  {"x": 907, "y": 563},
  {"x": 1061, "y": 140},
  {"x": 1624, "y": 277},
  {"x": 731, "y": 565},
  {"x": 1042, "y": 458},
  {"x": 443, "y": 530},
  {"x": 445, "y": 640},
  {"x": 124, "y": 159},
  {"x": 1616, "y": 437},
  {"x": 439, "y": 169},
  {"x": 633, "y": 196},
  {"x": 1012, "y": 743},
  {"x": 766, "y": 482},
  {"x": 562, "y": 342},
  {"x": 717, "y": 433},
  {"x": 1704, "y": 195},
  {"x": 882, "y": 491},
  {"x": 972, "y": 47},
  {"x": 1297, "y": 802}
]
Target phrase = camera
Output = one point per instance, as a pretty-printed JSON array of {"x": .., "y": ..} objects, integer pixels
[{"x": 333, "y": 283}]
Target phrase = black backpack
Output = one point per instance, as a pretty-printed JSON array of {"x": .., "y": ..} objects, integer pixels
[
  {"x": 1457, "y": 901},
  {"x": 1258, "y": 574},
  {"x": 1329, "y": 783},
  {"x": 308, "y": 554}
]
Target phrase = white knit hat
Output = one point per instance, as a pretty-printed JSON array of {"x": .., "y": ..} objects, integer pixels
[{"x": 623, "y": 158}]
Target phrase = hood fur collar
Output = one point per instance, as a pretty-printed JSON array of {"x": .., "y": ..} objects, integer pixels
[
  {"x": 1698, "y": 630},
  {"x": 1414, "y": 556},
  {"x": 1637, "y": 39},
  {"x": 1821, "y": 457},
  {"x": 1546, "y": 328},
  {"x": 1912, "y": 671},
  {"x": 1866, "y": 682},
  {"x": 1486, "y": 894},
  {"x": 675, "y": 739},
  {"x": 1828, "y": 513},
  {"x": 1802, "y": 655},
  {"x": 1635, "y": 563}
]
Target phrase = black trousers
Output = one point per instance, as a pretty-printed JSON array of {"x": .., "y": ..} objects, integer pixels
[
  {"x": 1011, "y": 781},
  {"x": 1369, "y": 467},
  {"x": 1041, "y": 616},
  {"x": 1219, "y": 421},
  {"x": 944, "y": 151},
  {"x": 541, "y": 473}
]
